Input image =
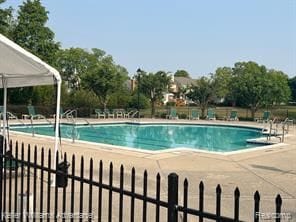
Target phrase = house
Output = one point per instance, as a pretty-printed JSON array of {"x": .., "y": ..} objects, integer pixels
[
  {"x": 181, "y": 83},
  {"x": 178, "y": 89}
]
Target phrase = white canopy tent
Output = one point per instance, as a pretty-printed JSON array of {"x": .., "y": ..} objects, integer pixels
[{"x": 20, "y": 68}]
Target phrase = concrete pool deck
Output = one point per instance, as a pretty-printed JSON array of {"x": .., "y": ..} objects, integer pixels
[{"x": 271, "y": 171}]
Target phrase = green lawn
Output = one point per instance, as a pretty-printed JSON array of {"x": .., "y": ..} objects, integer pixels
[{"x": 280, "y": 112}]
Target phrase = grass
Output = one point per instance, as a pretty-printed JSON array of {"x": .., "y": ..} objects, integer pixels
[{"x": 279, "y": 112}]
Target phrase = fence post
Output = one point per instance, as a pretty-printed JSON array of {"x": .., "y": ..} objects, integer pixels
[
  {"x": 172, "y": 197},
  {"x": 278, "y": 204},
  {"x": 256, "y": 207}
]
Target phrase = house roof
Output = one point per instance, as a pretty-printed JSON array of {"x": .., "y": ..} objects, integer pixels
[{"x": 184, "y": 81}]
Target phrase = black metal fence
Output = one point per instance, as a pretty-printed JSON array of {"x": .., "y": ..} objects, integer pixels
[{"x": 30, "y": 183}]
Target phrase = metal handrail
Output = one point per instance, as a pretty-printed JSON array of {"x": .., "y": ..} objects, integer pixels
[
  {"x": 273, "y": 131},
  {"x": 286, "y": 127},
  {"x": 70, "y": 116}
]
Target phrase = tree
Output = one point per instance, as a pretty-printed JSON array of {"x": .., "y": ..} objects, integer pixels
[
  {"x": 82, "y": 98},
  {"x": 250, "y": 84},
  {"x": 104, "y": 77},
  {"x": 153, "y": 85},
  {"x": 5, "y": 20},
  {"x": 144, "y": 102},
  {"x": 181, "y": 73},
  {"x": 255, "y": 86},
  {"x": 292, "y": 85},
  {"x": 32, "y": 34},
  {"x": 203, "y": 92},
  {"x": 223, "y": 79},
  {"x": 278, "y": 90},
  {"x": 73, "y": 63},
  {"x": 121, "y": 98}
]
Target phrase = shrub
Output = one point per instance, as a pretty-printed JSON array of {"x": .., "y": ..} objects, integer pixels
[
  {"x": 120, "y": 99},
  {"x": 182, "y": 116},
  {"x": 246, "y": 119},
  {"x": 83, "y": 98},
  {"x": 168, "y": 104},
  {"x": 143, "y": 101},
  {"x": 163, "y": 115}
]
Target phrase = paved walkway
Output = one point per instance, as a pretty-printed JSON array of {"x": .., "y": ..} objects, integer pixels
[{"x": 271, "y": 171}]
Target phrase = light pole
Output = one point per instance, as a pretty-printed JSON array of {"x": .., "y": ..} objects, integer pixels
[{"x": 139, "y": 71}]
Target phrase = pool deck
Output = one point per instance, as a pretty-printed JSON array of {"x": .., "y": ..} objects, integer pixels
[{"x": 271, "y": 171}]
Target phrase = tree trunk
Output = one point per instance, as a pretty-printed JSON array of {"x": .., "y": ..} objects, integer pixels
[
  {"x": 253, "y": 111},
  {"x": 152, "y": 109},
  {"x": 203, "y": 109},
  {"x": 233, "y": 103}
]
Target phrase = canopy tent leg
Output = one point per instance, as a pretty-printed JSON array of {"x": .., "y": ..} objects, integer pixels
[
  {"x": 4, "y": 114},
  {"x": 57, "y": 123}
]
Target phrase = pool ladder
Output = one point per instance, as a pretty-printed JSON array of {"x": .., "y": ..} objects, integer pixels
[
  {"x": 71, "y": 115},
  {"x": 285, "y": 126}
]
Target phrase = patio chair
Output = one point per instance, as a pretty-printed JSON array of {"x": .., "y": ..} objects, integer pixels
[
  {"x": 9, "y": 114},
  {"x": 173, "y": 114},
  {"x": 233, "y": 116},
  {"x": 119, "y": 113},
  {"x": 33, "y": 114},
  {"x": 211, "y": 114},
  {"x": 265, "y": 117},
  {"x": 109, "y": 114},
  {"x": 100, "y": 114},
  {"x": 129, "y": 114},
  {"x": 194, "y": 114}
]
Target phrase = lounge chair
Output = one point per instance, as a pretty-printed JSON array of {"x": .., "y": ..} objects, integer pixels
[
  {"x": 129, "y": 114},
  {"x": 265, "y": 117},
  {"x": 194, "y": 114},
  {"x": 100, "y": 114},
  {"x": 9, "y": 114},
  {"x": 233, "y": 116},
  {"x": 109, "y": 114},
  {"x": 33, "y": 114},
  {"x": 173, "y": 114},
  {"x": 211, "y": 115},
  {"x": 119, "y": 113}
]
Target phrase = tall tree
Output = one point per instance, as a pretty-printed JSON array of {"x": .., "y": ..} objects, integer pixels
[
  {"x": 255, "y": 86},
  {"x": 223, "y": 79},
  {"x": 104, "y": 77},
  {"x": 278, "y": 90},
  {"x": 181, "y": 73},
  {"x": 73, "y": 63},
  {"x": 5, "y": 19},
  {"x": 32, "y": 33},
  {"x": 292, "y": 85},
  {"x": 250, "y": 85},
  {"x": 153, "y": 86},
  {"x": 203, "y": 92}
]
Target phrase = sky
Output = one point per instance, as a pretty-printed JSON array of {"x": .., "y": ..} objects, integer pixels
[{"x": 169, "y": 35}]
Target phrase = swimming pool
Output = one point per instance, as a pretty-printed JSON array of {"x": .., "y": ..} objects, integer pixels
[{"x": 157, "y": 136}]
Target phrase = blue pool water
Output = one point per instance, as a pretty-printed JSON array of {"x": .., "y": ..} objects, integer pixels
[{"x": 159, "y": 136}]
